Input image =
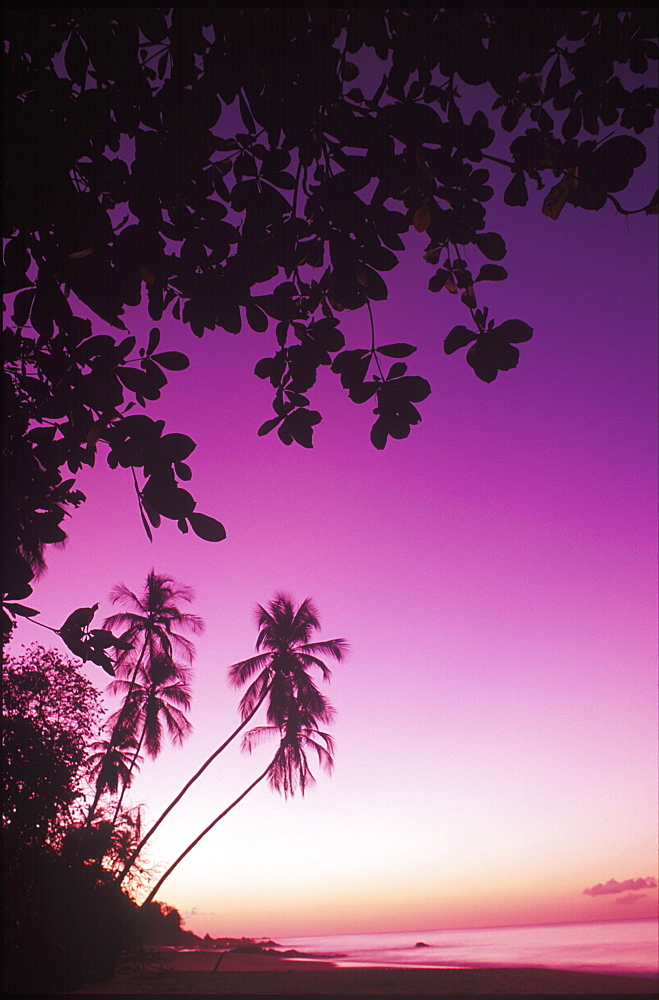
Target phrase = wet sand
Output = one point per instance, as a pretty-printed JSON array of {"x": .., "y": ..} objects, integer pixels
[{"x": 244, "y": 974}]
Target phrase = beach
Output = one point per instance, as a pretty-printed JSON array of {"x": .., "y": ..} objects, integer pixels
[{"x": 192, "y": 973}]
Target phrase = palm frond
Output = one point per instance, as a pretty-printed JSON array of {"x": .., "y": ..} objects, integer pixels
[
  {"x": 313, "y": 702},
  {"x": 325, "y": 753},
  {"x": 281, "y": 701},
  {"x": 152, "y": 731},
  {"x": 240, "y": 673},
  {"x": 161, "y": 669},
  {"x": 306, "y": 616},
  {"x": 295, "y": 704},
  {"x": 181, "y": 643},
  {"x": 124, "y": 667},
  {"x": 176, "y": 693},
  {"x": 254, "y": 694},
  {"x": 123, "y": 685},
  {"x": 111, "y": 765},
  {"x": 257, "y": 736},
  {"x": 178, "y": 726},
  {"x": 134, "y": 623},
  {"x": 313, "y": 661},
  {"x": 152, "y": 683},
  {"x": 336, "y": 648},
  {"x": 290, "y": 770},
  {"x": 120, "y": 594}
]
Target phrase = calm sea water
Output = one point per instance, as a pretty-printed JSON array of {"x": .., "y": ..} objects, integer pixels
[{"x": 625, "y": 946}]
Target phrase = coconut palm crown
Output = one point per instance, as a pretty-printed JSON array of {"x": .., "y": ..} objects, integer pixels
[
  {"x": 283, "y": 665},
  {"x": 152, "y": 617},
  {"x": 152, "y": 701}
]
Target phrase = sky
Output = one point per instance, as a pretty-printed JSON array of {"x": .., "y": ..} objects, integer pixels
[{"x": 494, "y": 575}]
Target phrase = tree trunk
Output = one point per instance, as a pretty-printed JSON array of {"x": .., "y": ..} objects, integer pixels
[
  {"x": 138, "y": 850},
  {"x": 203, "y": 833}
]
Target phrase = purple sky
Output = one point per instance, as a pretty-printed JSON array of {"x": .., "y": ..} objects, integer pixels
[{"x": 495, "y": 575}]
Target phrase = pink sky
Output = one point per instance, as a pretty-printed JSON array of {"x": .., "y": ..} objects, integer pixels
[{"x": 495, "y": 575}]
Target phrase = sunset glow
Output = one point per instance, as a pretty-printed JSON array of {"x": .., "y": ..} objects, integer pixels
[{"x": 494, "y": 574}]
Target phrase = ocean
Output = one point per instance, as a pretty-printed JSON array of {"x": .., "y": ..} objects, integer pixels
[{"x": 620, "y": 946}]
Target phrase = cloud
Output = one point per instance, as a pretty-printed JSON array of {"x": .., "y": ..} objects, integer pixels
[
  {"x": 613, "y": 886},
  {"x": 631, "y": 897}
]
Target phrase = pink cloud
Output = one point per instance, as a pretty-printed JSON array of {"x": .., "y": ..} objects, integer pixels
[
  {"x": 613, "y": 886},
  {"x": 631, "y": 897}
]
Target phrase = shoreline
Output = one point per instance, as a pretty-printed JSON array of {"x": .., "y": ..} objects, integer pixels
[{"x": 244, "y": 974}]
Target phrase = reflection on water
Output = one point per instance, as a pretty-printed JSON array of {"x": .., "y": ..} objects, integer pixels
[{"x": 625, "y": 946}]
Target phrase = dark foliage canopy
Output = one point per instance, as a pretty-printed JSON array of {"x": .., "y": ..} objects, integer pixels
[
  {"x": 50, "y": 713},
  {"x": 260, "y": 167},
  {"x": 64, "y": 921}
]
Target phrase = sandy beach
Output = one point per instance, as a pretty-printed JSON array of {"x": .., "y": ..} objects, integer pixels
[{"x": 243, "y": 974}]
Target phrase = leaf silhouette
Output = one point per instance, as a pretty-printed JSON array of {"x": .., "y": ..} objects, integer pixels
[
  {"x": 396, "y": 350},
  {"x": 21, "y": 609},
  {"x": 516, "y": 193},
  {"x": 269, "y": 425},
  {"x": 514, "y": 331},
  {"x": 168, "y": 449},
  {"x": 491, "y": 245},
  {"x": 397, "y": 369},
  {"x": 555, "y": 200},
  {"x": 207, "y": 527},
  {"x": 174, "y": 361},
  {"x": 75, "y": 58},
  {"x": 459, "y": 337},
  {"x": 168, "y": 499},
  {"x": 154, "y": 340},
  {"x": 491, "y": 272},
  {"x": 422, "y": 217},
  {"x": 438, "y": 280}
]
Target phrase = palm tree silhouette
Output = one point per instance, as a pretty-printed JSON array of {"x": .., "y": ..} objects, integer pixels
[
  {"x": 149, "y": 622},
  {"x": 285, "y": 657},
  {"x": 111, "y": 764},
  {"x": 282, "y": 666},
  {"x": 152, "y": 617},
  {"x": 157, "y": 698}
]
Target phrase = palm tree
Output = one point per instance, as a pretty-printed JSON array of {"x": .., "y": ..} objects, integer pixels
[
  {"x": 149, "y": 622},
  {"x": 285, "y": 656},
  {"x": 111, "y": 764},
  {"x": 157, "y": 698},
  {"x": 151, "y": 619},
  {"x": 282, "y": 666}
]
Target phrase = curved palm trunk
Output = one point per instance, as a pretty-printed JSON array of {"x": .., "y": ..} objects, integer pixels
[
  {"x": 203, "y": 834},
  {"x": 138, "y": 850}
]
